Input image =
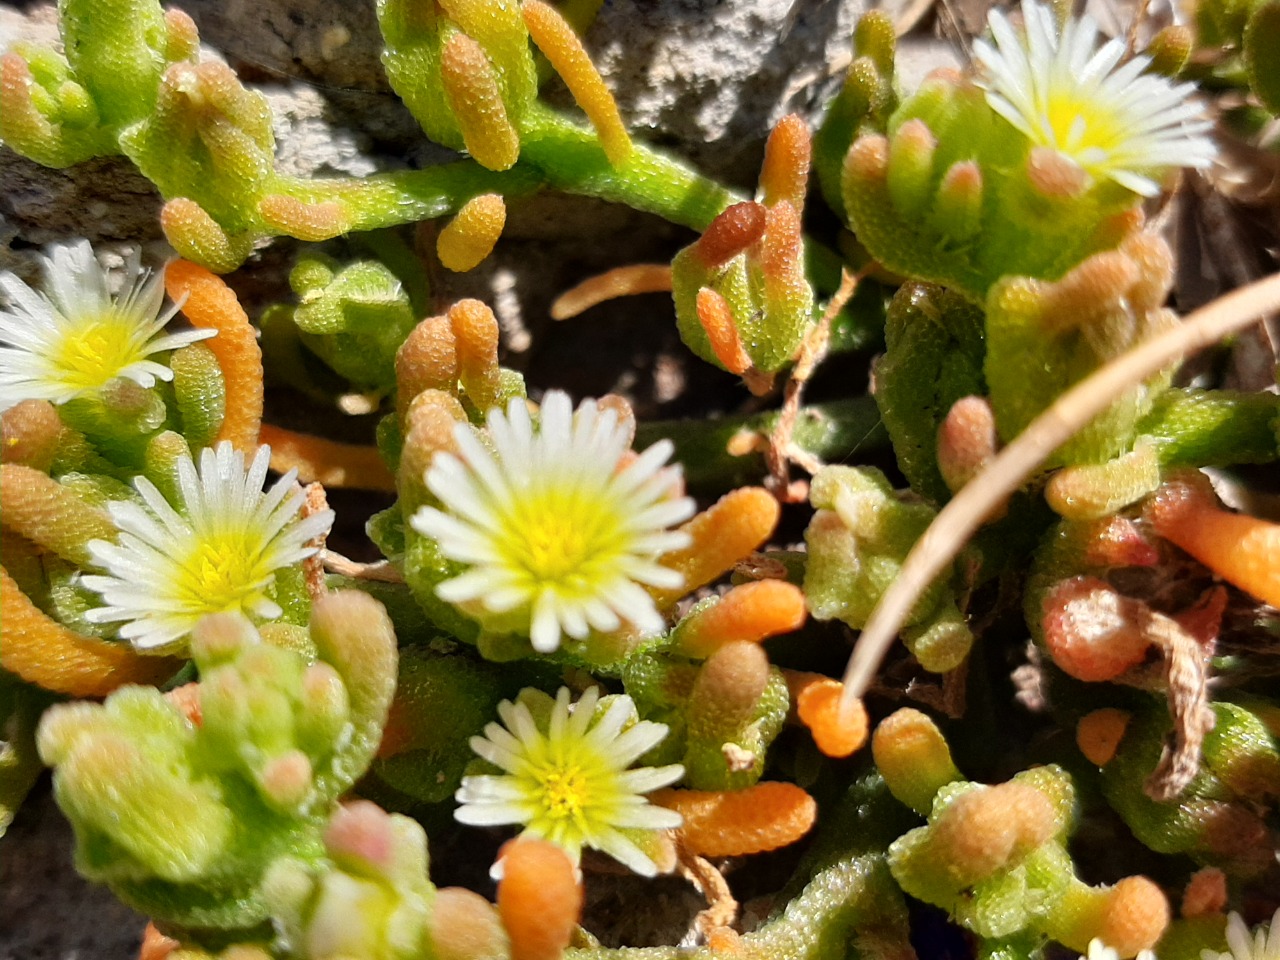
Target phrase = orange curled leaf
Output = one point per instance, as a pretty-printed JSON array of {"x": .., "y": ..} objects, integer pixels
[
  {"x": 727, "y": 690},
  {"x": 427, "y": 360},
  {"x": 730, "y": 823},
  {"x": 1239, "y": 548},
  {"x": 211, "y": 304},
  {"x": 44, "y": 652},
  {"x": 30, "y": 434},
  {"x": 785, "y": 172},
  {"x": 429, "y": 426},
  {"x": 471, "y": 87},
  {"x": 470, "y": 236},
  {"x": 730, "y": 233},
  {"x": 837, "y": 732},
  {"x": 197, "y": 236},
  {"x": 1129, "y": 917},
  {"x": 561, "y": 46},
  {"x": 716, "y": 317},
  {"x": 1099, "y": 733},
  {"x": 539, "y": 898},
  {"x": 782, "y": 250},
  {"x": 967, "y": 439},
  {"x": 989, "y": 828},
  {"x": 723, "y": 534},
  {"x": 35, "y": 505},
  {"x": 183, "y": 39},
  {"x": 306, "y": 221},
  {"x": 618, "y": 282},
  {"x": 750, "y": 611},
  {"x": 475, "y": 331},
  {"x": 20, "y": 120},
  {"x": 1205, "y": 893},
  {"x": 325, "y": 461}
]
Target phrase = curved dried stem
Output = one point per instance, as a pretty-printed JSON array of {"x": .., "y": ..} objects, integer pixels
[{"x": 1015, "y": 463}]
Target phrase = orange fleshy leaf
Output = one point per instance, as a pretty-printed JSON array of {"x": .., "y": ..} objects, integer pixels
[
  {"x": 1091, "y": 630},
  {"x": 730, "y": 823},
  {"x": 618, "y": 282},
  {"x": 429, "y": 426},
  {"x": 306, "y": 221},
  {"x": 730, "y": 233},
  {"x": 1205, "y": 893},
  {"x": 475, "y": 331},
  {"x": 750, "y": 611},
  {"x": 325, "y": 461},
  {"x": 427, "y": 360},
  {"x": 35, "y": 505},
  {"x": 539, "y": 898},
  {"x": 195, "y": 235},
  {"x": 723, "y": 534},
  {"x": 44, "y": 652},
  {"x": 561, "y": 46},
  {"x": 785, "y": 172},
  {"x": 1239, "y": 548},
  {"x": 211, "y": 304},
  {"x": 471, "y": 87},
  {"x": 31, "y": 432},
  {"x": 716, "y": 317},
  {"x": 470, "y": 236},
  {"x": 987, "y": 829},
  {"x": 1129, "y": 917},
  {"x": 727, "y": 691},
  {"x": 837, "y": 733},
  {"x": 1099, "y": 733}
]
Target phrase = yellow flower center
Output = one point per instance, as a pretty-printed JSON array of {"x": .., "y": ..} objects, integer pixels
[
  {"x": 564, "y": 793},
  {"x": 223, "y": 573},
  {"x": 96, "y": 351},
  {"x": 559, "y": 536},
  {"x": 1082, "y": 131}
]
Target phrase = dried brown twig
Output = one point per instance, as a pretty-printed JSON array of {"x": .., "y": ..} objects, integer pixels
[{"x": 1009, "y": 469}]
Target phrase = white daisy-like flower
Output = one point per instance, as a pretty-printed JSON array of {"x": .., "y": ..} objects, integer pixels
[
  {"x": 74, "y": 338},
  {"x": 214, "y": 551},
  {"x": 1114, "y": 121},
  {"x": 566, "y": 778},
  {"x": 1264, "y": 944},
  {"x": 1100, "y": 951},
  {"x": 559, "y": 533}
]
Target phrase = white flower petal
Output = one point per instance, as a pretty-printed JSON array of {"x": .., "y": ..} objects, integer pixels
[
  {"x": 74, "y": 338},
  {"x": 217, "y": 549},
  {"x": 1116, "y": 121},
  {"x": 557, "y": 536},
  {"x": 566, "y": 781}
]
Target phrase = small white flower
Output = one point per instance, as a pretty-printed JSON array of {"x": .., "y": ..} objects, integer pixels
[
  {"x": 1100, "y": 951},
  {"x": 1114, "y": 121},
  {"x": 216, "y": 550},
  {"x": 566, "y": 778},
  {"x": 74, "y": 338},
  {"x": 1264, "y": 944},
  {"x": 558, "y": 535}
]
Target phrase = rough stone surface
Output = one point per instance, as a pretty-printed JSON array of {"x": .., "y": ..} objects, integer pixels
[{"x": 709, "y": 78}]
